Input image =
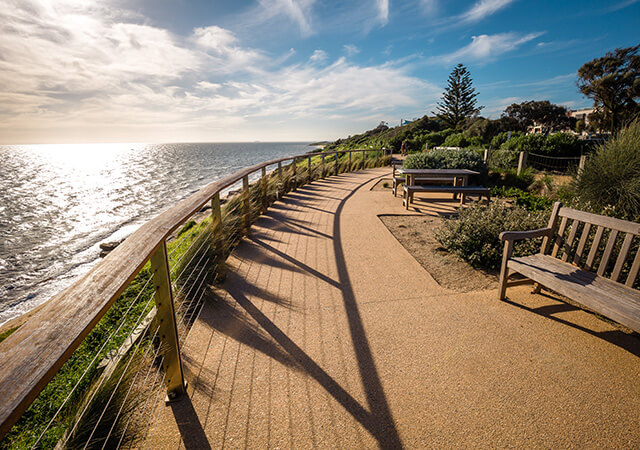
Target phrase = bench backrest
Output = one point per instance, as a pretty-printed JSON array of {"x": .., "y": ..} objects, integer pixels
[{"x": 593, "y": 242}]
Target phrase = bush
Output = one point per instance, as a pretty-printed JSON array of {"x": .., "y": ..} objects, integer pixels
[
  {"x": 503, "y": 159},
  {"x": 501, "y": 138},
  {"x": 532, "y": 143},
  {"x": 558, "y": 144},
  {"x": 456, "y": 140},
  {"x": 446, "y": 159},
  {"x": 562, "y": 144},
  {"x": 523, "y": 198},
  {"x": 611, "y": 177},
  {"x": 474, "y": 234}
]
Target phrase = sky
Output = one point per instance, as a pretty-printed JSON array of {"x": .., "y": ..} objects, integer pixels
[{"x": 75, "y": 71}]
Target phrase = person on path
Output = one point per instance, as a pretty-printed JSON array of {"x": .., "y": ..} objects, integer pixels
[{"x": 404, "y": 147}]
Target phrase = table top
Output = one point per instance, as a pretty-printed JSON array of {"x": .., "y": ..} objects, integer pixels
[{"x": 453, "y": 172}]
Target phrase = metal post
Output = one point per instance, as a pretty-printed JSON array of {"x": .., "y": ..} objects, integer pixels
[
  {"x": 322, "y": 167},
  {"x": 216, "y": 223},
  {"x": 309, "y": 177},
  {"x": 167, "y": 328},
  {"x": 522, "y": 162},
  {"x": 246, "y": 203}
]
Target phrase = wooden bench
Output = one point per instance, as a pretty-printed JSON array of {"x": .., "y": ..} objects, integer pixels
[
  {"x": 480, "y": 191},
  {"x": 575, "y": 262}
]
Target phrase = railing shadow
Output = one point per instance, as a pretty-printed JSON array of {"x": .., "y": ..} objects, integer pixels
[{"x": 189, "y": 426}]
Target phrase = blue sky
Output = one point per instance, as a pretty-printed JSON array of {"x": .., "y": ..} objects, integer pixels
[{"x": 181, "y": 71}]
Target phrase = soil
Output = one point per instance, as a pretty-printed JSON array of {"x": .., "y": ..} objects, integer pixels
[{"x": 417, "y": 235}]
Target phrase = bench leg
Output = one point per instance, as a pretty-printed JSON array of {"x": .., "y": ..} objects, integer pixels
[
  {"x": 394, "y": 188},
  {"x": 504, "y": 270},
  {"x": 536, "y": 288}
]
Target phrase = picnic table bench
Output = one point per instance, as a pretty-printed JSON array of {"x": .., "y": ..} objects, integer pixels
[
  {"x": 580, "y": 268},
  {"x": 480, "y": 191}
]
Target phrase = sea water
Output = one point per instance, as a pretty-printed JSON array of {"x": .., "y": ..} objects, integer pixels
[{"x": 59, "y": 202}]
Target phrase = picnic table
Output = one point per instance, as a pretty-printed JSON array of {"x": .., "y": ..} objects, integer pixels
[{"x": 434, "y": 174}]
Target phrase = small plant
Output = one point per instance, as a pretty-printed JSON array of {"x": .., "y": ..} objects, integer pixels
[
  {"x": 187, "y": 226},
  {"x": 611, "y": 177},
  {"x": 523, "y": 198},
  {"x": 474, "y": 234}
]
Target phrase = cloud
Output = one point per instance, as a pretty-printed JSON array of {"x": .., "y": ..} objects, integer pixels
[
  {"x": 429, "y": 7},
  {"x": 298, "y": 11},
  {"x": 484, "y": 8},
  {"x": 75, "y": 71},
  {"x": 383, "y": 11},
  {"x": 319, "y": 56},
  {"x": 351, "y": 49},
  {"x": 486, "y": 47}
]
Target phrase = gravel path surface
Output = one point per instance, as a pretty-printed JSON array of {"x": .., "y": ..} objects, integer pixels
[{"x": 327, "y": 333}]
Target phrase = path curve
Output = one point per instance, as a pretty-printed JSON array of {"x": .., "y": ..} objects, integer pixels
[{"x": 328, "y": 334}]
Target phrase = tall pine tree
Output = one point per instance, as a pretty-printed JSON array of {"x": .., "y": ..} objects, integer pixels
[{"x": 459, "y": 98}]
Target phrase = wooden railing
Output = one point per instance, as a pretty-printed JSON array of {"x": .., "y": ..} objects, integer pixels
[{"x": 32, "y": 355}]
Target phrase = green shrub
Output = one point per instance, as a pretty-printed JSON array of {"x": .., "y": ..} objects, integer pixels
[
  {"x": 474, "y": 234},
  {"x": 562, "y": 144},
  {"x": 503, "y": 159},
  {"x": 522, "y": 180},
  {"x": 501, "y": 138},
  {"x": 456, "y": 140},
  {"x": 446, "y": 159},
  {"x": 523, "y": 198},
  {"x": 611, "y": 177},
  {"x": 532, "y": 143}
]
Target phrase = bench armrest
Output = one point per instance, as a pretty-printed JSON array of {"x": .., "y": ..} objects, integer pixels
[{"x": 518, "y": 235}]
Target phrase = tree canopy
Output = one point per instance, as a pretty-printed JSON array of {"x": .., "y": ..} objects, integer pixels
[
  {"x": 459, "y": 98},
  {"x": 613, "y": 82},
  {"x": 544, "y": 113}
]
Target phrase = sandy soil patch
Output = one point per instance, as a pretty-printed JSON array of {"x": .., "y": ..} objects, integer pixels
[{"x": 416, "y": 233}]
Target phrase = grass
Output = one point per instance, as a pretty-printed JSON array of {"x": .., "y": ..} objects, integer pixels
[
  {"x": 5, "y": 334},
  {"x": 196, "y": 259}
]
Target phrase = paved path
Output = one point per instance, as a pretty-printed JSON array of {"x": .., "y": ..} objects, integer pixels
[{"x": 329, "y": 334}]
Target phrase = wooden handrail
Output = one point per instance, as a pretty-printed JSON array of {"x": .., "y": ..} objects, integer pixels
[{"x": 32, "y": 355}]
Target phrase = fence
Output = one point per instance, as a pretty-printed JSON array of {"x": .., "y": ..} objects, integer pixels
[{"x": 85, "y": 370}]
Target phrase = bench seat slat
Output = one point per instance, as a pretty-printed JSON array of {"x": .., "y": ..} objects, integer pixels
[
  {"x": 449, "y": 189},
  {"x": 611, "y": 299},
  {"x": 605, "y": 286}
]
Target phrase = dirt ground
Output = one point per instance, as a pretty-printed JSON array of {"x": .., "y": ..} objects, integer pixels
[{"x": 416, "y": 233}]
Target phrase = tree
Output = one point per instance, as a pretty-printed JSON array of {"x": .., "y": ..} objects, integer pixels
[
  {"x": 459, "y": 98},
  {"x": 613, "y": 82},
  {"x": 544, "y": 113}
]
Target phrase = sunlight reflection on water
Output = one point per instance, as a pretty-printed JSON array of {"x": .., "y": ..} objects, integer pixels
[{"x": 58, "y": 202}]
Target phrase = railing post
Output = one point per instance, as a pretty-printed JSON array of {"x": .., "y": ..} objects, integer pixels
[
  {"x": 166, "y": 319},
  {"x": 583, "y": 161},
  {"x": 263, "y": 188},
  {"x": 363, "y": 158},
  {"x": 322, "y": 167},
  {"x": 335, "y": 164},
  {"x": 377, "y": 157},
  {"x": 246, "y": 203},
  {"x": 487, "y": 154},
  {"x": 295, "y": 174},
  {"x": 350, "y": 167},
  {"x": 280, "y": 178},
  {"x": 216, "y": 223},
  {"x": 309, "y": 176},
  {"x": 522, "y": 162}
]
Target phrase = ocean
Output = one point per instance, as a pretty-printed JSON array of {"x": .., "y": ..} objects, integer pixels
[{"x": 59, "y": 202}]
